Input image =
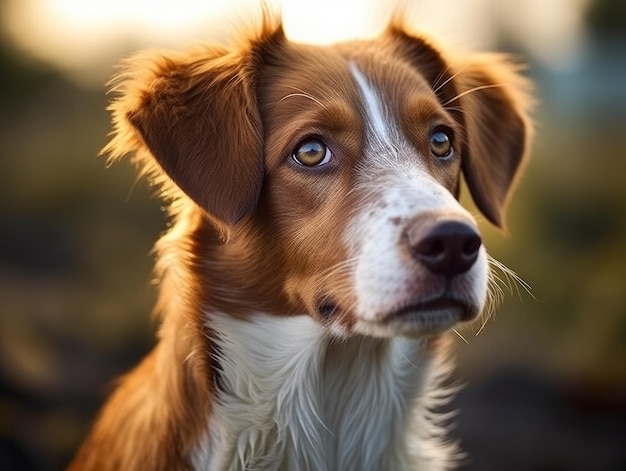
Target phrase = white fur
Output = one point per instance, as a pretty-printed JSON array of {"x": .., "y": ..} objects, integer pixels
[
  {"x": 373, "y": 105},
  {"x": 383, "y": 279},
  {"x": 294, "y": 395},
  {"x": 396, "y": 186},
  {"x": 297, "y": 398}
]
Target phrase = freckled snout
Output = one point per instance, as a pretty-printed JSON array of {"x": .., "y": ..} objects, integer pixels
[{"x": 446, "y": 247}]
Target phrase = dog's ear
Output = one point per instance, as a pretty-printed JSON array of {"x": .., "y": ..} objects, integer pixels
[
  {"x": 201, "y": 124},
  {"x": 494, "y": 101},
  {"x": 198, "y": 117},
  {"x": 488, "y": 97}
]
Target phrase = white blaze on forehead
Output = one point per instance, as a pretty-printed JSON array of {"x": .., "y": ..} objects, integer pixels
[
  {"x": 396, "y": 187},
  {"x": 373, "y": 105}
]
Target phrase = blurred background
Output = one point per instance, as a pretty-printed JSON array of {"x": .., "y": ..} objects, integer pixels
[{"x": 545, "y": 380}]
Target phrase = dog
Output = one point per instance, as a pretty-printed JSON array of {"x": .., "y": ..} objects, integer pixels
[{"x": 318, "y": 256}]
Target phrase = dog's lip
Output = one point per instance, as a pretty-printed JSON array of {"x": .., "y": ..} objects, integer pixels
[{"x": 443, "y": 303}]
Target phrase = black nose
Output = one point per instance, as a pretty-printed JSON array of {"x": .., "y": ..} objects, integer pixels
[{"x": 450, "y": 248}]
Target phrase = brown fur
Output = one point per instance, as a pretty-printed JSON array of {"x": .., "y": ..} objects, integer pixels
[{"x": 212, "y": 127}]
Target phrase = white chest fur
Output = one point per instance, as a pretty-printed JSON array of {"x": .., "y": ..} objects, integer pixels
[{"x": 296, "y": 398}]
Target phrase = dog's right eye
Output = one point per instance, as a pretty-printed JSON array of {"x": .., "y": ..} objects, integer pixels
[
  {"x": 441, "y": 143},
  {"x": 312, "y": 153}
]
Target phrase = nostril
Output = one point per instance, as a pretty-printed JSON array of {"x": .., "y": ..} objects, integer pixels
[
  {"x": 472, "y": 245},
  {"x": 430, "y": 247},
  {"x": 450, "y": 248}
]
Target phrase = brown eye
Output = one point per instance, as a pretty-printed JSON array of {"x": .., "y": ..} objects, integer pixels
[
  {"x": 441, "y": 144},
  {"x": 312, "y": 153}
]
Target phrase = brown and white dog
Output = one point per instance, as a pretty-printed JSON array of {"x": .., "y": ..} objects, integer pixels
[{"x": 318, "y": 252}]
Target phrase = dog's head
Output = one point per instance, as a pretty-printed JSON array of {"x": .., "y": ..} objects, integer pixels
[{"x": 335, "y": 171}]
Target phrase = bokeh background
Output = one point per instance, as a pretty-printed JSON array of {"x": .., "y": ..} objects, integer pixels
[{"x": 545, "y": 380}]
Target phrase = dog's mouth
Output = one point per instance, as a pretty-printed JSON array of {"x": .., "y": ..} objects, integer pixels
[
  {"x": 430, "y": 317},
  {"x": 460, "y": 309},
  {"x": 416, "y": 318}
]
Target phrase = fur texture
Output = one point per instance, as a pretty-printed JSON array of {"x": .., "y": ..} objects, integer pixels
[{"x": 299, "y": 329}]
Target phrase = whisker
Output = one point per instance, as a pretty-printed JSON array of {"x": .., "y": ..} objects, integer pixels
[
  {"x": 460, "y": 336},
  {"x": 495, "y": 297},
  {"x": 512, "y": 277},
  {"x": 458, "y": 109},
  {"x": 304, "y": 95},
  {"x": 498, "y": 282},
  {"x": 435, "y": 85},
  {"x": 472, "y": 90},
  {"x": 495, "y": 293},
  {"x": 410, "y": 362},
  {"x": 338, "y": 268},
  {"x": 482, "y": 326},
  {"x": 452, "y": 77}
]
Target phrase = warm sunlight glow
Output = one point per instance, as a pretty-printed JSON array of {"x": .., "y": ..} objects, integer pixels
[
  {"x": 87, "y": 37},
  {"x": 142, "y": 13},
  {"x": 74, "y": 32},
  {"x": 331, "y": 21}
]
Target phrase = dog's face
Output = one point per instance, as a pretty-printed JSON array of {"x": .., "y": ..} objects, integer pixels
[{"x": 335, "y": 173}]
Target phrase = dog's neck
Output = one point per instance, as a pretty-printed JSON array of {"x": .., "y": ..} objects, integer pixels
[{"x": 293, "y": 397}]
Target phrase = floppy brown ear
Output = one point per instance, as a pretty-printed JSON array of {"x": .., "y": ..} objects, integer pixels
[
  {"x": 197, "y": 116},
  {"x": 488, "y": 98},
  {"x": 494, "y": 101},
  {"x": 202, "y": 127}
]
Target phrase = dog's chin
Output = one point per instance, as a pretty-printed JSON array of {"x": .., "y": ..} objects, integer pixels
[{"x": 427, "y": 319}]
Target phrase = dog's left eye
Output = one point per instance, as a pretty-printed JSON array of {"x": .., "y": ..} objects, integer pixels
[
  {"x": 312, "y": 153},
  {"x": 441, "y": 143}
]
